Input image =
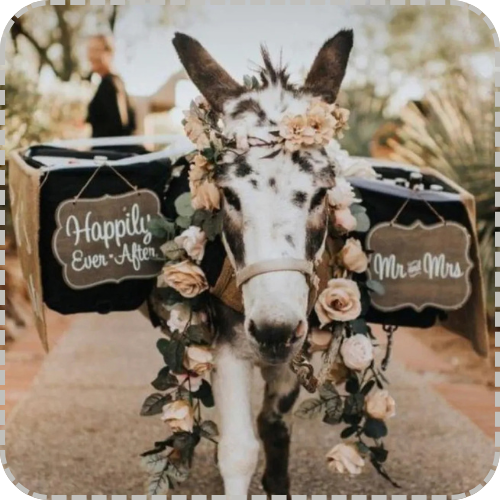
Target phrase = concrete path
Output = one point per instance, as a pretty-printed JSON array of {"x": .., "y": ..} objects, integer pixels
[{"x": 79, "y": 431}]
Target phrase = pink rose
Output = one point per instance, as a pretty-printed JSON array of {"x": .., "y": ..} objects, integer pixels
[
  {"x": 345, "y": 220},
  {"x": 339, "y": 301},
  {"x": 353, "y": 257}
]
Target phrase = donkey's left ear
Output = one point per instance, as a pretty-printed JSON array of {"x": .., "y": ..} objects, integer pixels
[
  {"x": 212, "y": 80},
  {"x": 328, "y": 70}
]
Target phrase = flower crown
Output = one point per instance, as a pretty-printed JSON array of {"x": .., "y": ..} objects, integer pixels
[{"x": 321, "y": 123}]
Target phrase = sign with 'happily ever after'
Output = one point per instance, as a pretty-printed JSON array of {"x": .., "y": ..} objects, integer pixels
[
  {"x": 106, "y": 240},
  {"x": 420, "y": 266}
]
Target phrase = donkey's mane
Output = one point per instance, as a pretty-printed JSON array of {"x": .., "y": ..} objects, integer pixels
[{"x": 274, "y": 74}]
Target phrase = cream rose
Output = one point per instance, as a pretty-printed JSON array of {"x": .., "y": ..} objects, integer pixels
[
  {"x": 205, "y": 195},
  {"x": 198, "y": 359},
  {"x": 185, "y": 277},
  {"x": 345, "y": 458},
  {"x": 181, "y": 315},
  {"x": 339, "y": 301},
  {"x": 380, "y": 405},
  {"x": 342, "y": 195},
  {"x": 179, "y": 415},
  {"x": 319, "y": 340},
  {"x": 357, "y": 352},
  {"x": 296, "y": 132},
  {"x": 344, "y": 220},
  {"x": 195, "y": 130},
  {"x": 353, "y": 257},
  {"x": 193, "y": 240}
]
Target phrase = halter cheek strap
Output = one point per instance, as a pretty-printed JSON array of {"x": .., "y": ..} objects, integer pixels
[{"x": 271, "y": 266}]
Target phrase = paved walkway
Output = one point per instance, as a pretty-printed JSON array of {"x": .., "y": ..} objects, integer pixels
[{"x": 78, "y": 432}]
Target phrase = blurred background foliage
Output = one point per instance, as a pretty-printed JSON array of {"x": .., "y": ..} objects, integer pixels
[{"x": 419, "y": 87}]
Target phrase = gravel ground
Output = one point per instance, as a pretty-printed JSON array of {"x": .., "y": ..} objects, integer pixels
[{"x": 78, "y": 432}]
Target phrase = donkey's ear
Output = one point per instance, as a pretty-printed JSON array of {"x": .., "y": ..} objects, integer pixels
[
  {"x": 328, "y": 70},
  {"x": 216, "y": 85}
]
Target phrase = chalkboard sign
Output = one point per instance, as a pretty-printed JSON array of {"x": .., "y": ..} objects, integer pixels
[
  {"x": 106, "y": 240},
  {"x": 420, "y": 265}
]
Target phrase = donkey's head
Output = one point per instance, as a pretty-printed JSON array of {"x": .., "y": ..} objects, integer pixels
[{"x": 275, "y": 217}]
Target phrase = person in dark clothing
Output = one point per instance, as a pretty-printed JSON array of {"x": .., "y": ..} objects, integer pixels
[{"x": 110, "y": 113}]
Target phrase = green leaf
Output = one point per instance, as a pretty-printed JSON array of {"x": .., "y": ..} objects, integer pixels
[
  {"x": 183, "y": 222},
  {"x": 354, "y": 404},
  {"x": 310, "y": 408},
  {"x": 357, "y": 209},
  {"x": 352, "y": 385},
  {"x": 328, "y": 391},
  {"x": 154, "y": 404},
  {"x": 379, "y": 453},
  {"x": 376, "y": 287},
  {"x": 154, "y": 464},
  {"x": 205, "y": 394},
  {"x": 362, "y": 448},
  {"x": 177, "y": 472},
  {"x": 172, "y": 251},
  {"x": 247, "y": 81},
  {"x": 199, "y": 334},
  {"x": 161, "y": 228},
  {"x": 374, "y": 428},
  {"x": 174, "y": 355},
  {"x": 368, "y": 387},
  {"x": 348, "y": 432},
  {"x": 212, "y": 225},
  {"x": 359, "y": 325},
  {"x": 333, "y": 411},
  {"x": 209, "y": 429},
  {"x": 170, "y": 296},
  {"x": 165, "y": 380},
  {"x": 183, "y": 205},
  {"x": 362, "y": 222}
]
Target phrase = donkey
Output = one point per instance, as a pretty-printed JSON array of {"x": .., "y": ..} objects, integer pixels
[{"x": 275, "y": 223}]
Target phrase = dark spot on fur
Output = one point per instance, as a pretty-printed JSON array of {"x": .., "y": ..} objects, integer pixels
[
  {"x": 299, "y": 198},
  {"x": 314, "y": 240},
  {"x": 318, "y": 198},
  {"x": 234, "y": 240},
  {"x": 286, "y": 403},
  {"x": 249, "y": 106},
  {"x": 221, "y": 171},
  {"x": 254, "y": 183},
  {"x": 327, "y": 175},
  {"x": 272, "y": 182},
  {"x": 243, "y": 168},
  {"x": 304, "y": 164},
  {"x": 289, "y": 239}
]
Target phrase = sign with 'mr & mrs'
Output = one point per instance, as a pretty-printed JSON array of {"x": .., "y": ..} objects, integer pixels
[
  {"x": 106, "y": 240},
  {"x": 420, "y": 266}
]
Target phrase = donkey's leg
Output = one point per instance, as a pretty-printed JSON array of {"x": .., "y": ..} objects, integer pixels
[
  {"x": 274, "y": 423},
  {"x": 238, "y": 445}
]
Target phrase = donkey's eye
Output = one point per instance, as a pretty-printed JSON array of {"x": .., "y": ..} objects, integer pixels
[
  {"x": 231, "y": 198},
  {"x": 318, "y": 198}
]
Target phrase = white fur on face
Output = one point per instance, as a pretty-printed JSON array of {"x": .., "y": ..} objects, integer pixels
[{"x": 267, "y": 207}]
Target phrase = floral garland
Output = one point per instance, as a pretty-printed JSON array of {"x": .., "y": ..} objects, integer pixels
[{"x": 351, "y": 381}]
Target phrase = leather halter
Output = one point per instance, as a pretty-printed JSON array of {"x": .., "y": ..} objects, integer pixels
[
  {"x": 270, "y": 266},
  {"x": 275, "y": 265}
]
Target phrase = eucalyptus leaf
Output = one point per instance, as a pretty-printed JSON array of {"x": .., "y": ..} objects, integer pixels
[
  {"x": 357, "y": 209},
  {"x": 354, "y": 404},
  {"x": 212, "y": 225},
  {"x": 362, "y": 222},
  {"x": 375, "y": 286},
  {"x": 198, "y": 334},
  {"x": 160, "y": 483},
  {"x": 172, "y": 251},
  {"x": 359, "y": 325},
  {"x": 183, "y": 205},
  {"x": 328, "y": 391},
  {"x": 310, "y": 408},
  {"x": 161, "y": 228},
  {"x": 165, "y": 380},
  {"x": 183, "y": 222}
]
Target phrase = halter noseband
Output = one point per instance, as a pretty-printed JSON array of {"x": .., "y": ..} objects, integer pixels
[{"x": 274, "y": 265}]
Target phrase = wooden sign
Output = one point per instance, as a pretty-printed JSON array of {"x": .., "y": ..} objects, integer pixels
[
  {"x": 106, "y": 240},
  {"x": 420, "y": 266}
]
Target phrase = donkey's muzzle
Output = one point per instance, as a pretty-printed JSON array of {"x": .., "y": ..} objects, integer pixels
[{"x": 277, "y": 341}]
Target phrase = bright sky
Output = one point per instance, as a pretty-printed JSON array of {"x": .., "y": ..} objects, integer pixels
[{"x": 233, "y": 36}]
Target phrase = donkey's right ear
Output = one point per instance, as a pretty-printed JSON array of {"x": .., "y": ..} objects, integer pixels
[{"x": 213, "y": 81}]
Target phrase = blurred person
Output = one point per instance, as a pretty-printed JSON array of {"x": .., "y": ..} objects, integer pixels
[{"x": 110, "y": 112}]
